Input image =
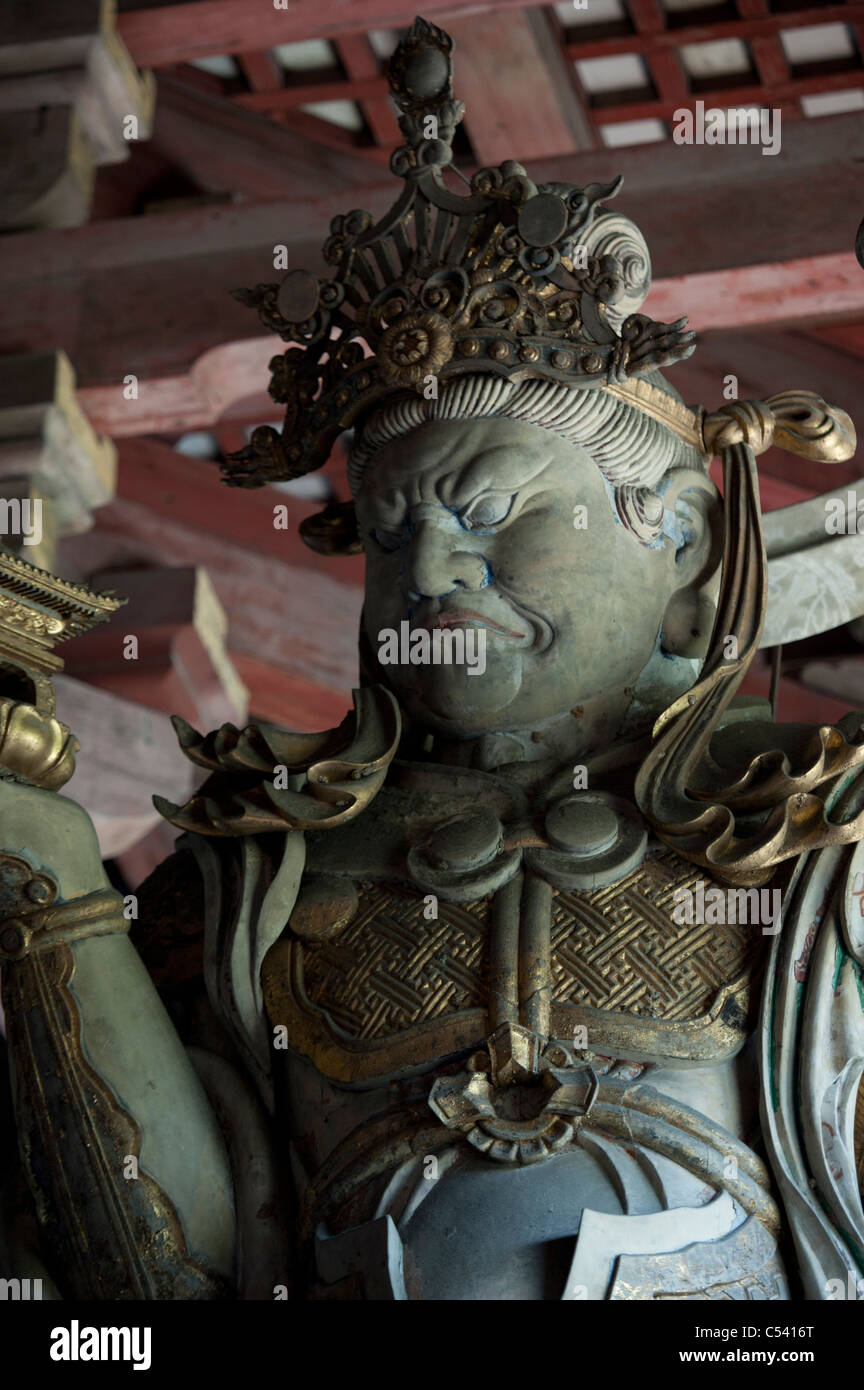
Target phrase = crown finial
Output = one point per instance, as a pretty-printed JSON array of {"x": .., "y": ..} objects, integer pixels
[
  {"x": 420, "y": 72},
  {"x": 511, "y": 278}
]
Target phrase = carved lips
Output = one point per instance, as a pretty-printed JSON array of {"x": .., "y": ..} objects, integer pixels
[{"x": 467, "y": 617}]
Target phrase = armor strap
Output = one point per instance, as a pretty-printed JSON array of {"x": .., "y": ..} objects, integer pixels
[{"x": 93, "y": 914}]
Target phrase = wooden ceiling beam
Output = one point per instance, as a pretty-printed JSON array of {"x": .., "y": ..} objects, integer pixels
[
  {"x": 849, "y": 337},
  {"x": 664, "y": 65},
  {"x": 315, "y": 131},
  {"x": 315, "y": 639},
  {"x": 191, "y": 493},
  {"x": 749, "y": 28},
  {"x": 289, "y": 98},
  {"x": 151, "y": 295},
  {"x": 770, "y": 60},
  {"x": 513, "y": 103},
  {"x": 176, "y": 33},
  {"x": 198, "y": 78},
  {"x": 665, "y": 107},
  {"x": 550, "y": 35},
  {"x": 261, "y": 70},
  {"x": 799, "y": 292},
  {"x": 788, "y": 293},
  {"x": 222, "y": 147},
  {"x": 362, "y": 66}
]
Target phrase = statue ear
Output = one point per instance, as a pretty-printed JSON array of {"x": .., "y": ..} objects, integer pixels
[{"x": 698, "y": 537}]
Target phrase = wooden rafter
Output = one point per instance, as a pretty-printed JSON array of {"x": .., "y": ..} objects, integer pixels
[
  {"x": 746, "y": 27},
  {"x": 224, "y": 147},
  {"x": 768, "y": 56},
  {"x": 362, "y": 66},
  {"x": 362, "y": 89},
  {"x": 261, "y": 71},
  {"x": 326, "y": 135},
  {"x": 176, "y": 33},
  {"x": 749, "y": 297},
  {"x": 506, "y": 52},
  {"x": 151, "y": 295},
  {"x": 665, "y": 108},
  {"x": 513, "y": 109}
]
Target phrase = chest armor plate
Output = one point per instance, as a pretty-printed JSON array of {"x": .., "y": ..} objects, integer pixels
[{"x": 398, "y": 988}]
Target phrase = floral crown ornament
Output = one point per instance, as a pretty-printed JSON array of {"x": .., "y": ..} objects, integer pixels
[{"x": 448, "y": 283}]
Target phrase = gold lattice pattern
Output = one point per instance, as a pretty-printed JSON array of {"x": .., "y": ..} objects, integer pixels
[
  {"x": 391, "y": 968},
  {"x": 619, "y": 949}
]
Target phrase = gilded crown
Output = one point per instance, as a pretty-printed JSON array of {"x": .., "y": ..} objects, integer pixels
[{"x": 514, "y": 278}]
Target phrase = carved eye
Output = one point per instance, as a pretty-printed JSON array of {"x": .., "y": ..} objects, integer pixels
[
  {"x": 387, "y": 540},
  {"x": 486, "y": 511}
]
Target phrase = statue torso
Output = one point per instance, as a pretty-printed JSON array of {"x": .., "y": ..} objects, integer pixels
[{"x": 449, "y": 914}]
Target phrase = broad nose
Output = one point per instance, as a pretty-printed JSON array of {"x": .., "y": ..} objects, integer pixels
[{"x": 437, "y": 560}]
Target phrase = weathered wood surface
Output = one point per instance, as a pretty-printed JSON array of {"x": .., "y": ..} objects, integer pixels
[{"x": 150, "y": 295}]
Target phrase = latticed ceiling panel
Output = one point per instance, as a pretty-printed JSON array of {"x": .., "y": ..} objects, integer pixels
[{"x": 596, "y": 73}]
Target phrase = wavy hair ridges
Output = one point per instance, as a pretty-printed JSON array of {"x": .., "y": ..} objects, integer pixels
[{"x": 633, "y": 451}]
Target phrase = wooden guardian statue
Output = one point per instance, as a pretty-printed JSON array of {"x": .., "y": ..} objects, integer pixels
[{"x": 428, "y": 972}]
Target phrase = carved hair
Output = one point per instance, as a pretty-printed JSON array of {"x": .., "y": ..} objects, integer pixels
[{"x": 632, "y": 451}]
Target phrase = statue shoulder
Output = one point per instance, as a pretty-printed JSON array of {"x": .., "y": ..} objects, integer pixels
[{"x": 266, "y": 779}]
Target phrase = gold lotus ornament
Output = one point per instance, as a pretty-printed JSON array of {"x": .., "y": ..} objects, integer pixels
[{"x": 415, "y": 346}]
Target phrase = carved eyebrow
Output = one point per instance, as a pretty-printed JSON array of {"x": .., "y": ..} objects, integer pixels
[
  {"x": 464, "y": 484},
  {"x": 392, "y": 505},
  {"x": 456, "y": 486}
]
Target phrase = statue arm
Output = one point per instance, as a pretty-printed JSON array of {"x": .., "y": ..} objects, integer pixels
[{"x": 121, "y": 1149}]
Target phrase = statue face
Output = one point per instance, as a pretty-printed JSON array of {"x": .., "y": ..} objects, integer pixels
[{"x": 477, "y": 524}]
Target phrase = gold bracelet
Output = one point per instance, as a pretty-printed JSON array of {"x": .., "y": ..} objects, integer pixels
[{"x": 59, "y": 924}]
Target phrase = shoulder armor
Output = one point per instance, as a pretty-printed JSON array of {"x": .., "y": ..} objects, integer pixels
[{"x": 263, "y": 778}]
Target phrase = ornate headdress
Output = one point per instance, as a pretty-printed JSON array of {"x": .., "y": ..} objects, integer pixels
[{"x": 511, "y": 278}]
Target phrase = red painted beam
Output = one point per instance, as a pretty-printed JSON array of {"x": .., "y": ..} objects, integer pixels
[
  {"x": 179, "y": 32},
  {"x": 288, "y": 699},
  {"x": 224, "y": 148},
  {"x": 317, "y": 131},
  {"x": 847, "y": 336},
  {"x": 150, "y": 295},
  {"x": 801, "y": 291},
  {"x": 647, "y": 16},
  {"x": 788, "y": 293},
  {"x": 512, "y": 107},
  {"x": 262, "y": 71},
  {"x": 748, "y": 28},
  {"x": 340, "y": 89},
  {"x": 191, "y": 493},
  {"x": 362, "y": 64},
  {"x": 286, "y": 610},
  {"x": 664, "y": 108}
]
